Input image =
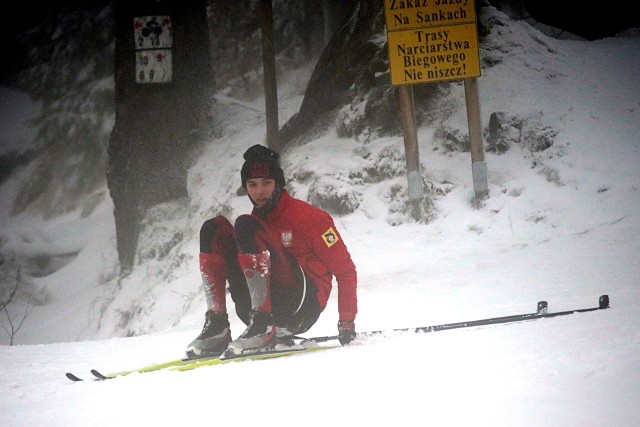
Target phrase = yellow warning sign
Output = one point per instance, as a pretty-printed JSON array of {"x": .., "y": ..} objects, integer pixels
[
  {"x": 402, "y": 15},
  {"x": 432, "y": 40}
]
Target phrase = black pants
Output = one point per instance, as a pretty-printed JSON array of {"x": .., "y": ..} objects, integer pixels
[{"x": 293, "y": 295}]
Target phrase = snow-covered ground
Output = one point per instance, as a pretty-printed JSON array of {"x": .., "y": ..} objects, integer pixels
[{"x": 561, "y": 225}]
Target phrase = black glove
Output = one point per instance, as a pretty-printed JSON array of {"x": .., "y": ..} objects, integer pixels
[{"x": 346, "y": 331}]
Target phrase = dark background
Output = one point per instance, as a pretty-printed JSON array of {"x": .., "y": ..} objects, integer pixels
[
  {"x": 572, "y": 15},
  {"x": 21, "y": 17},
  {"x": 582, "y": 18}
]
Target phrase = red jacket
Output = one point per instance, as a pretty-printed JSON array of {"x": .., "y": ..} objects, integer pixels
[{"x": 309, "y": 234}]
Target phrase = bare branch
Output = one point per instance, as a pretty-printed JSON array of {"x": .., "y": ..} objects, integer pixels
[{"x": 13, "y": 324}]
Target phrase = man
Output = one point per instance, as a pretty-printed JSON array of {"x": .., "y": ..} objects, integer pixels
[{"x": 279, "y": 262}]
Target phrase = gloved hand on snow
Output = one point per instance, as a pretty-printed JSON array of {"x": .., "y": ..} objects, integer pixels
[{"x": 346, "y": 331}]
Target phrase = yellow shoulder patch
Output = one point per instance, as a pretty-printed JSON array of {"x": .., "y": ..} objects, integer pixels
[{"x": 330, "y": 237}]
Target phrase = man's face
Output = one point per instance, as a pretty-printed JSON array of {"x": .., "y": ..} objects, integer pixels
[{"x": 260, "y": 190}]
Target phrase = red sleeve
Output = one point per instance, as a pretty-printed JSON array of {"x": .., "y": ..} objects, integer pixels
[{"x": 332, "y": 251}]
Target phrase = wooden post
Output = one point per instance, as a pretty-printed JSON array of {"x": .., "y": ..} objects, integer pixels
[
  {"x": 408, "y": 120},
  {"x": 269, "y": 67},
  {"x": 478, "y": 164}
]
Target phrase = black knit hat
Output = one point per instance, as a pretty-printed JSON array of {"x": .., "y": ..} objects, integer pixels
[{"x": 261, "y": 162}]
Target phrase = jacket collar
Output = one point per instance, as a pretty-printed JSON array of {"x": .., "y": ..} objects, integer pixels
[{"x": 285, "y": 198}]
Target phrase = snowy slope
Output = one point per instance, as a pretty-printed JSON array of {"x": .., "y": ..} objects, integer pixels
[{"x": 560, "y": 225}]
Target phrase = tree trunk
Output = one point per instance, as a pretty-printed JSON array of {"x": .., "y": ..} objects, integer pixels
[
  {"x": 333, "y": 14},
  {"x": 162, "y": 81}
]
